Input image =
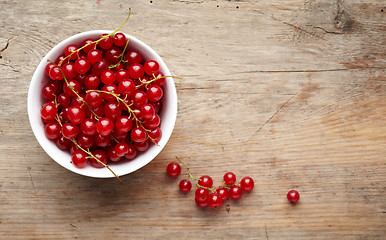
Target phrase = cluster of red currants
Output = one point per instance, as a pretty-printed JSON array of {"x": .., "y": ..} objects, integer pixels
[
  {"x": 205, "y": 194},
  {"x": 102, "y": 101}
]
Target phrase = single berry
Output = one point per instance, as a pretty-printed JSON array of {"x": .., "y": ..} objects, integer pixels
[
  {"x": 138, "y": 134},
  {"x": 79, "y": 159},
  {"x": 235, "y": 192},
  {"x": 223, "y": 193},
  {"x": 185, "y": 185},
  {"x": 101, "y": 156},
  {"x": 105, "y": 126},
  {"x": 133, "y": 57},
  {"x": 121, "y": 149},
  {"x": 48, "y": 111},
  {"x": 201, "y": 204},
  {"x": 70, "y": 130},
  {"x": 214, "y": 200},
  {"x": 247, "y": 184},
  {"x": 229, "y": 178},
  {"x": 293, "y": 196},
  {"x": 205, "y": 181},
  {"x": 201, "y": 194},
  {"x": 151, "y": 67},
  {"x": 53, "y": 130},
  {"x": 119, "y": 39},
  {"x": 154, "y": 93},
  {"x": 173, "y": 169}
]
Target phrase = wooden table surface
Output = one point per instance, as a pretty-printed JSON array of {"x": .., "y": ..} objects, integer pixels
[{"x": 291, "y": 93}]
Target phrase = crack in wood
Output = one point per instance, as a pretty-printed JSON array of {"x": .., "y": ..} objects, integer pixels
[{"x": 4, "y": 48}]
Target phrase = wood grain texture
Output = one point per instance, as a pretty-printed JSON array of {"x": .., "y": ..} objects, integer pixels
[{"x": 292, "y": 93}]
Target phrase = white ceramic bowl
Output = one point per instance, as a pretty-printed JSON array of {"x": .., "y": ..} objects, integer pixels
[{"x": 35, "y": 102}]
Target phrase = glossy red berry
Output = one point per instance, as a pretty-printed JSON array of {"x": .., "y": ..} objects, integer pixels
[
  {"x": 133, "y": 57},
  {"x": 76, "y": 114},
  {"x": 247, "y": 184},
  {"x": 101, "y": 156},
  {"x": 48, "y": 111},
  {"x": 173, "y": 169},
  {"x": 69, "y": 50},
  {"x": 223, "y": 193},
  {"x": 53, "y": 130},
  {"x": 151, "y": 67},
  {"x": 70, "y": 130},
  {"x": 201, "y": 204},
  {"x": 293, "y": 196},
  {"x": 126, "y": 86},
  {"x": 138, "y": 134},
  {"x": 147, "y": 111},
  {"x": 105, "y": 126},
  {"x": 79, "y": 159},
  {"x": 154, "y": 93},
  {"x": 121, "y": 149},
  {"x": 142, "y": 146},
  {"x": 155, "y": 135},
  {"x": 55, "y": 73},
  {"x": 106, "y": 42},
  {"x": 205, "y": 181},
  {"x": 90, "y": 46},
  {"x": 82, "y": 65},
  {"x": 235, "y": 192},
  {"x": 214, "y": 200},
  {"x": 139, "y": 98},
  {"x": 229, "y": 178},
  {"x": 201, "y": 194},
  {"x": 94, "y": 56},
  {"x": 119, "y": 39},
  {"x": 132, "y": 153},
  {"x": 123, "y": 124},
  {"x": 136, "y": 71},
  {"x": 108, "y": 77},
  {"x": 185, "y": 185},
  {"x": 88, "y": 127}
]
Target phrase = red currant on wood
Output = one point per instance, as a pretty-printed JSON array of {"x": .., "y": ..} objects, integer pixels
[
  {"x": 214, "y": 200},
  {"x": 229, "y": 178},
  {"x": 205, "y": 181},
  {"x": 185, "y": 185},
  {"x": 235, "y": 192},
  {"x": 293, "y": 196},
  {"x": 247, "y": 184},
  {"x": 173, "y": 169}
]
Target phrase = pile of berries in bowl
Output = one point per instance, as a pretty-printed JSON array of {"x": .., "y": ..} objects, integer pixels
[{"x": 102, "y": 104}]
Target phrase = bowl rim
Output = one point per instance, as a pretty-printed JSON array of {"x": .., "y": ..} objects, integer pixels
[{"x": 130, "y": 166}]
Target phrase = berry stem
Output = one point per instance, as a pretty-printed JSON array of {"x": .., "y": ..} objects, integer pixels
[
  {"x": 194, "y": 179},
  {"x": 92, "y": 156},
  {"x": 122, "y": 56},
  {"x": 72, "y": 89},
  {"x": 96, "y": 41}
]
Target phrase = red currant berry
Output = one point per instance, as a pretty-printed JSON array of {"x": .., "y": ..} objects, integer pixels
[
  {"x": 69, "y": 70},
  {"x": 247, "y": 184},
  {"x": 111, "y": 88},
  {"x": 147, "y": 111},
  {"x": 48, "y": 111},
  {"x": 138, "y": 134},
  {"x": 205, "y": 181},
  {"x": 55, "y": 73},
  {"x": 91, "y": 81},
  {"x": 107, "y": 42},
  {"x": 153, "y": 122},
  {"x": 105, "y": 126},
  {"x": 90, "y": 45},
  {"x": 63, "y": 100},
  {"x": 185, "y": 185},
  {"x": 154, "y": 93},
  {"x": 63, "y": 143},
  {"x": 108, "y": 77},
  {"x": 69, "y": 50},
  {"x": 223, "y": 193},
  {"x": 48, "y": 68},
  {"x": 70, "y": 130},
  {"x": 112, "y": 155},
  {"x": 99, "y": 67},
  {"x": 123, "y": 124},
  {"x": 112, "y": 110},
  {"x": 121, "y": 149},
  {"x": 82, "y": 65},
  {"x": 49, "y": 92},
  {"x": 173, "y": 169},
  {"x": 151, "y": 67},
  {"x": 139, "y": 98},
  {"x": 79, "y": 159},
  {"x": 113, "y": 54},
  {"x": 102, "y": 141},
  {"x": 119, "y": 39},
  {"x": 85, "y": 141},
  {"x": 229, "y": 178},
  {"x": 76, "y": 114},
  {"x": 293, "y": 196},
  {"x": 132, "y": 153},
  {"x": 94, "y": 56},
  {"x": 235, "y": 192},
  {"x": 88, "y": 127},
  {"x": 101, "y": 155},
  {"x": 155, "y": 135},
  {"x": 133, "y": 57},
  {"x": 201, "y": 194},
  {"x": 52, "y": 130},
  {"x": 201, "y": 204},
  {"x": 160, "y": 79},
  {"x": 122, "y": 74},
  {"x": 126, "y": 86},
  {"x": 142, "y": 146},
  {"x": 74, "y": 84},
  {"x": 94, "y": 99},
  {"x": 136, "y": 71},
  {"x": 214, "y": 201}
]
